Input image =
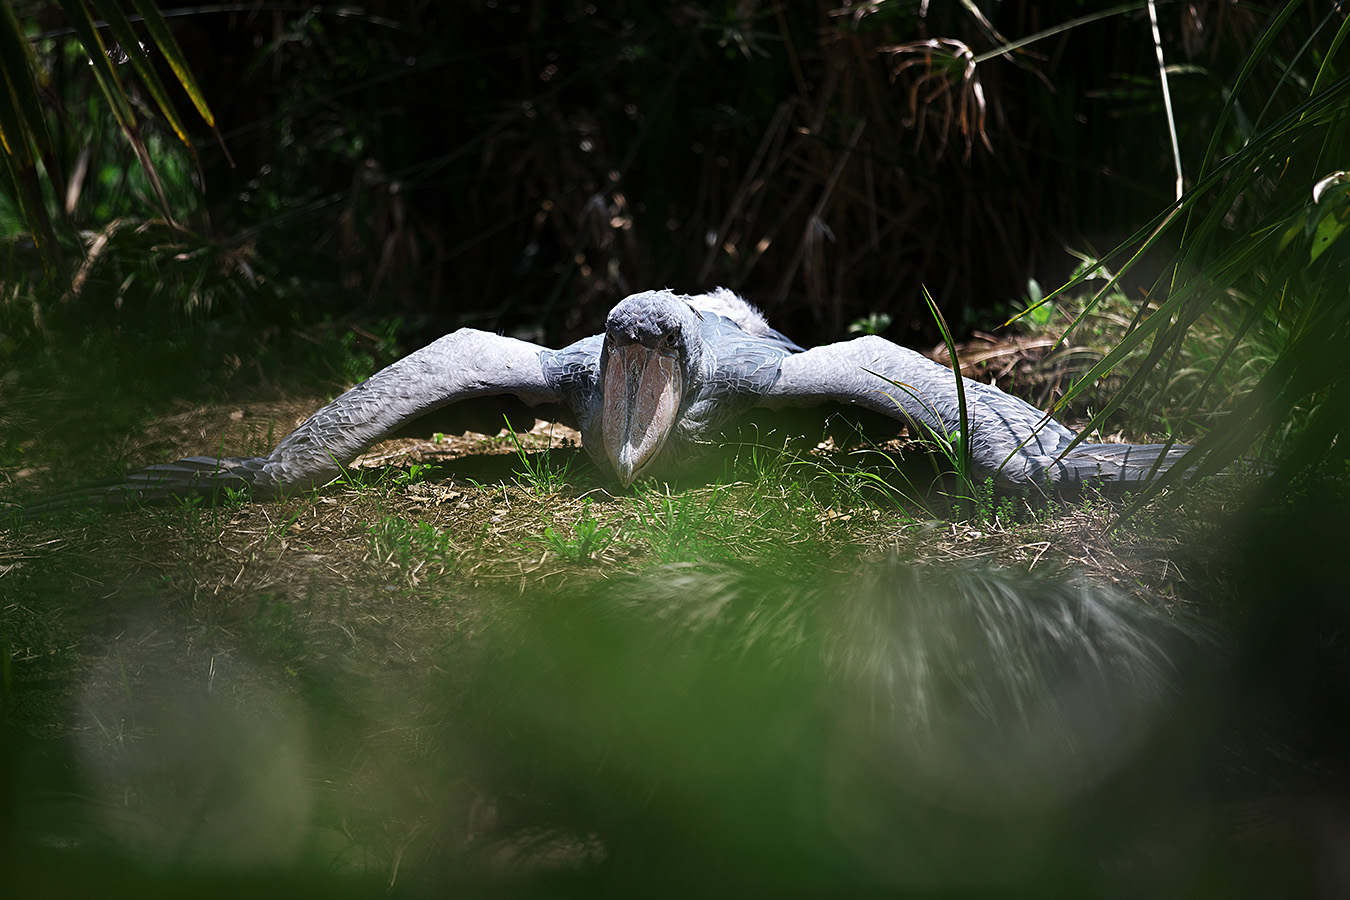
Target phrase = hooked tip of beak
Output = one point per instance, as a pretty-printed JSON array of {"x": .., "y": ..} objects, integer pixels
[{"x": 623, "y": 459}]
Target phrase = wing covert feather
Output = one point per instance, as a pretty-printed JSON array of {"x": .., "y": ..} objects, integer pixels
[
  {"x": 460, "y": 366},
  {"x": 1012, "y": 441},
  {"x": 466, "y": 364}
]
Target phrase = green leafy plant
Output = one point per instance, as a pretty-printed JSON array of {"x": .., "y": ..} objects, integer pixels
[
  {"x": 539, "y": 471},
  {"x": 30, "y": 150},
  {"x": 588, "y": 537},
  {"x": 416, "y": 474},
  {"x": 1037, "y": 310},
  {"x": 872, "y": 323},
  {"x": 1254, "y": 227},
  {"x": 420, "y": 552}
]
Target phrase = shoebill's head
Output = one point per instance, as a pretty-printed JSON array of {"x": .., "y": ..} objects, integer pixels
[{"x": 649, "y": 365}]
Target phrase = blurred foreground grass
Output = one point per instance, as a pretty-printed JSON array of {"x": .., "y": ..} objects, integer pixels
[{"x": 820, "y": 693}]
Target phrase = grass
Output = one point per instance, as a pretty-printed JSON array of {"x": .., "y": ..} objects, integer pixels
[
  {"x": 519, "y": 706},
  {"x": 420, "y": 553},
  {"x": 1087, "y": 329},
  {"x": 539, "y": 471},
  {"x": 588, "y": 537},
  {"x": 417, "y": 676}
]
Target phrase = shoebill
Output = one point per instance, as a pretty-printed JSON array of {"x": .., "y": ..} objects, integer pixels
[{"x": 669, "y": 375}]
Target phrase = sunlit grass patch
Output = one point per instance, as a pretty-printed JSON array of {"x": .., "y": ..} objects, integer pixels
[
  {"x": 418, "y": 554},
  {"x": 588, "y": 537}
]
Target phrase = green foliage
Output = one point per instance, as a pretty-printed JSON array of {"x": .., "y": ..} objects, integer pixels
[
  {"x": 539, "y": 471},
  {"x": 6, "y": 673},
  {"x": 31, "y": 149},
  {"x": 955, "y": 444},
  {"x": 1102, "y": 322},
  {"x": 790, "y": 729},
  {"x": 588, "y": 537},
  {"x": 789, "y": 509},
  {"x": 276, "y": 627},
  {"x": 946, "y": 442},
  {"x": 981, "y": 504},
  {"x": 863, "y": 477},
  {"x": 416, "y": 474},
  {"x": 1039, "y": 311},
  {"x": 868, "y": 477},
  {"x": 873, "y": 323},
  {"x": 1251, "y": 229},
  {"x": 356, "y": 363},
  {"x": 822, "y": 163},
  {"x": 679, "y": 528},
  {"x": 419, "y": 552}
]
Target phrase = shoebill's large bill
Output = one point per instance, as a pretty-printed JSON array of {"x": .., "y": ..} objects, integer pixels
[{"x": 667, "y": 377}]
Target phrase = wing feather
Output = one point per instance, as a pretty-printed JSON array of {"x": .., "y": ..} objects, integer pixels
[
  {"x": 460, "y": 366},
  {"x": 1011, "y": 441}
]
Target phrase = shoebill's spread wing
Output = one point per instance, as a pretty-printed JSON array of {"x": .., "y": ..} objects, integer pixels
[
  {"x": 461, "y": 366},
  {"x": 1011, "y": 441}
]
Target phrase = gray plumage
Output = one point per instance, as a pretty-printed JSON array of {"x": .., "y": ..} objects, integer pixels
[{"x": 657, "y": 388}]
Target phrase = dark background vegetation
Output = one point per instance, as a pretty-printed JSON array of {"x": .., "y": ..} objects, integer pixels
[{"x": 522, "y": 166}]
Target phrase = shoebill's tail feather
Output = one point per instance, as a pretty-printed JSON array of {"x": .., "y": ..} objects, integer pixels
[{"x": 196, "y": 476}]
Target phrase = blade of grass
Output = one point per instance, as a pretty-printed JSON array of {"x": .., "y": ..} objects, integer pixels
[
  {"x": 105, "y": 73},
  {"x": 173, "y": 55},
  {"x": 963, "y": 451},
  {"x": 126, "y": 36},
  {"x": 25, "y": 138}
]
